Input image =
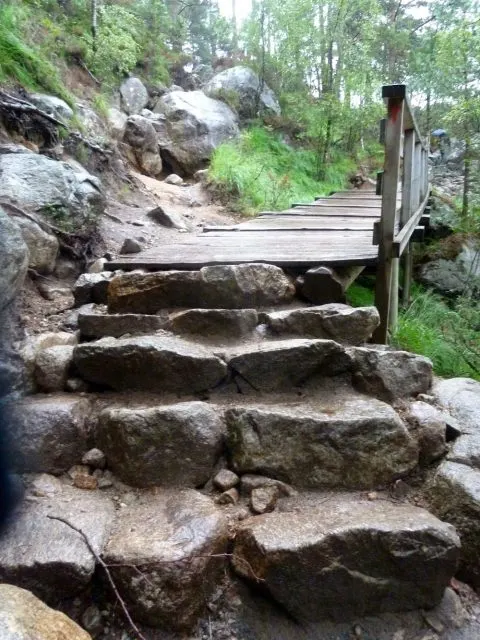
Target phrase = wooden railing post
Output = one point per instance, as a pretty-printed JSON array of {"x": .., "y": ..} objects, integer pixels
[
  {"x": 408, "y": 207},
  {"x": 395, "y": 96},
  {"x": 418, "y": 162}
]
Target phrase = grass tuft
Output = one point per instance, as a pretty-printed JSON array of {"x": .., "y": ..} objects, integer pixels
[
  {"x": 260, "y": 171},
  {"x": 448, "y": 335},
  {"x": 23, "y": 64}
]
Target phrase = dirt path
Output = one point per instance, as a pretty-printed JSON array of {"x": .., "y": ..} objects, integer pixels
[{"x": 191, "y": 204}]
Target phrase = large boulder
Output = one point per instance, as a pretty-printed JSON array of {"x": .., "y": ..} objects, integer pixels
[
  {"x": 461, "y": 397},
  {"x": 133, "y": 96},
  {"x": 142, "y": 138},
  {"x": 390, "y": 374},
  {"x": 355, "y": 443},
  {"x": 345, "y": 557},
  {"x": 286, "y": 364},
  {"x": 117, "y": 122},
  {"x": 251, "y": 96},
  {"x": 40, "y": 553},
  {"x": 196, "y": 126},
  {"x": 221, "y": 287},
  {"x": 42, "y": 246},
  {"x": 335, "y": 321},
  {"x": 454, "y": 495},
  {"x": 25, "y": 617},
  {"x": 48, "y": 433},
  {"x": 13, "y": 259},
  {"x": 457, "y": 275},
  {"x": 52, "y": 105},
  {"x": 37, "y": 183},
  {"x": 149, "y": 363},
  {"x": 166, "y": 554},
  {"x": 176, "y": 445}
]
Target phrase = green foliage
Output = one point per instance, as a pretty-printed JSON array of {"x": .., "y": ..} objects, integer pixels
[
  {"x": 100, "y": 104},
  {"x": 229, "y": 97},
  {"x": 260, "y": 171},
  {"x": 22, "y": 63},
  {"x": 117, "y": 49},
  {"x": 450, "y": 337},
  {"x": 447, "y": 333}
]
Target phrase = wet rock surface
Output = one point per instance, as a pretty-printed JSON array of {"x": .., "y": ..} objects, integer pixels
[
  {"x": 167, "y": 577},
  {"x": 128, "y": 363},
  {"x": 175, "y": 445},
  {"x": 345, "y": 558},
  {"x": 47, "y": 556},
  {"x": 358, "y": 444},
  {"x": 49, "y": 433}
]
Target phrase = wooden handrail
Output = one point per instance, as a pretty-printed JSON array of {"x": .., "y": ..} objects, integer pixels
[{"x": 402, "y": 139}]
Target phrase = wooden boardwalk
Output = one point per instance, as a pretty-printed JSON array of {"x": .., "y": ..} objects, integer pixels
[{"x": 332, "y": 231}]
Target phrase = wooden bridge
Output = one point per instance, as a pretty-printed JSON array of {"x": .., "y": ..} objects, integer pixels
[{"x": 351, "y": 228}]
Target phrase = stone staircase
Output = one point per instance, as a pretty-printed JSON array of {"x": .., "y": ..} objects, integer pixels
[{"x": 210, "y": 420}]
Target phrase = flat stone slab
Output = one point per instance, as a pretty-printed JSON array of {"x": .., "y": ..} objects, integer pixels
[
  {"x": 343, "y": 558},
  {"x": 175, "y": 445},
  {"x": 338, "y": 322},
  {"x": 242, "y": 286},
  {"x": 214, "y": 324},
  {"x": 172, "y": 546},
  {"x": 101, "y": 325},
  {"x": 356, "y": 443},
  {"x": 149, "y": 363},
  {"x": 47, "y": 556},
  {"x": 284, "y": 364},
  {"x": 48, "y": 433}
]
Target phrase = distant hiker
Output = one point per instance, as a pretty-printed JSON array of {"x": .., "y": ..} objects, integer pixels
[{"x": 440, "y": 141}]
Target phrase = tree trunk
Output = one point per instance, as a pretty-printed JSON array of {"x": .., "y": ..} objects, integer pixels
[
  {"x": 466, "y": 179},
  {"x": 234, "y": 28},
  {"x": 94, "y": 24}
]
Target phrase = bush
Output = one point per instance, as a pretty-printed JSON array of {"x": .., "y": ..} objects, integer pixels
[{"x": 260, "y": 171}]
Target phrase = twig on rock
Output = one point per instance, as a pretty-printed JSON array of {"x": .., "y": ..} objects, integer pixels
[{"x": 107, "y": 573}]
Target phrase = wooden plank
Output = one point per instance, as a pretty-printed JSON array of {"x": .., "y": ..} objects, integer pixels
[
  {"x": 333, "y": 205},
  {"x": 299, "y": 222},
  {"x": 407, "y": 208},
  {"x": 338, "y": 211}
]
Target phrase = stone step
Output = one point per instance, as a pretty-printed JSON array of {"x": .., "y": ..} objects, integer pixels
[
  {"x": 348, "y": 442},
  {"x": 343, "y": 557},
  {"x": 160, "y": 363},
  {"x": 344, "y": 324},
  {"x": 244, "y": 286},
  {"x": 337, "y": 322},
  {"x": 334, "y": 555},
  {"x": 167, "y": 554}
]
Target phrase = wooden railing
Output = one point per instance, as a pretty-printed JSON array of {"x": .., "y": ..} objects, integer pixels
[{"x": 405, "y": 190}]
